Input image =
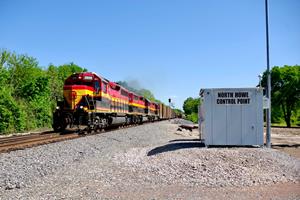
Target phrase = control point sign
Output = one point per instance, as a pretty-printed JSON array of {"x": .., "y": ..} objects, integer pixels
[{"x": 233, "y": 98}]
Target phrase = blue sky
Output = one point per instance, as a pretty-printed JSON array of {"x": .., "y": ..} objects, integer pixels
[{"x": 171, "y": 47}]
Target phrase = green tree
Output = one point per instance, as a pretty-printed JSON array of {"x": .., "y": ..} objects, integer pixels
[
  {"x": 23, "y": 71},
  {"x": 64, "y": 71},
  {"x": 55, "y": 83},
  {"x": 4, "y": 75},
  {"x": 285, "y": 92},
  {"x": 12, "y": 117},
  {"x": 190, "y": 107}
]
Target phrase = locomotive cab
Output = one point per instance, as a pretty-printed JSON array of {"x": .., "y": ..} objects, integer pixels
[{"x": 79, "y": 88}]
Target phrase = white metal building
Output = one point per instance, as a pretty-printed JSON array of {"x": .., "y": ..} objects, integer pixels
[{"x": 231, "y": 116}]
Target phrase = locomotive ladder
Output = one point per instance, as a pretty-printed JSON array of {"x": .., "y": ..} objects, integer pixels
[{"x": 91, "y": 103}]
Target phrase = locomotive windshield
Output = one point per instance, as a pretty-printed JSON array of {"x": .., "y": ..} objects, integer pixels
[{"x": 87, "y": 80}]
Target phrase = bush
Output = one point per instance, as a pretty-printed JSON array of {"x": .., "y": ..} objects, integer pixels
[
  {"x": 6, "y": 119},
  {"x": 12, "y": 117},
  {"x": 193, "y": 117},
  {"x": 41, "y": 110}
]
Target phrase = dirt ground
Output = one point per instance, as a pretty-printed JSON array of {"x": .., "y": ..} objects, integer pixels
[{"x": 286, "y": 140}]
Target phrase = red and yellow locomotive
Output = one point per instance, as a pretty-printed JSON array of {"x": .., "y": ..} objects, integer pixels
[{"x": 95, "y": 103}]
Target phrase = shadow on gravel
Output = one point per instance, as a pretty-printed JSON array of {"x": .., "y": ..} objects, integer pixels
[
  {"x": 174, "y": 147},
  {"x": 285, "y": 145},
  {"x": 186, "y": 140}
]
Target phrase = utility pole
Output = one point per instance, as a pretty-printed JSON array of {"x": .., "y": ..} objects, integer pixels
[{"x": 268, "y": 94}]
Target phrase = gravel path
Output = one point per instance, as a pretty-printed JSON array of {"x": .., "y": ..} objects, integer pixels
[{"x": 140, "y": 162}]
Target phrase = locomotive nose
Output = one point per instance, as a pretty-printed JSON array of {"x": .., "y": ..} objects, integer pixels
[{"x": 72, "y": 96}]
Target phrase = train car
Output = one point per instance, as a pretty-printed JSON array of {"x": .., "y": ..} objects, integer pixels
[
  {"x": 165, "y": 112},
  {"x": 94, "y": 102},
  {"x": 119, "y": 105},
  {"x": 137, "y": 108},
  {"x": 160, "y": 113},
  {"x": 153, "y": 110},
  {"x": 168, "y": 112}
]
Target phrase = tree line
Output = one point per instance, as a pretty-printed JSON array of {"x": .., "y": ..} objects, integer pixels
[
  {"x": 285, "y": 97},
  {"x": 29, "y": 92}
]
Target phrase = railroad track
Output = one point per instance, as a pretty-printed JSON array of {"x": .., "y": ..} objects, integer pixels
[
  {"x": 13, "y": 143},
  {"x": 25, "y": 141}
]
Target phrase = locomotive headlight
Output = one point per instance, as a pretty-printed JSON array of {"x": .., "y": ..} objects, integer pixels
[
  {"x": 57, "y": 107},
  {"x": 81, "y": 107}
]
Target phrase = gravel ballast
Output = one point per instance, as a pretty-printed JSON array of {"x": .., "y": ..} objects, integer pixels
[
  {"x": 147, "y": 156},
  {"x": 212, "y": 167}
]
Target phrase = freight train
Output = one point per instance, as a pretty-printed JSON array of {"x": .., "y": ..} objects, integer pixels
[{"x": 92, "y": 102}]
